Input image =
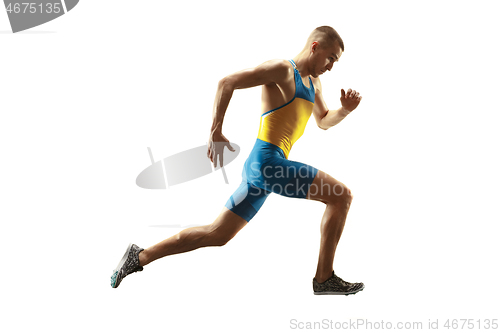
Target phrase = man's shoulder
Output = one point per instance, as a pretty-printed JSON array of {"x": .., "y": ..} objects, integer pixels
[
  {"x": 279, "y": 68},
  {"x": 279, "y": 64}
]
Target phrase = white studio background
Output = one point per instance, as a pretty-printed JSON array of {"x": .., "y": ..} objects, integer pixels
[{"x": 83, "y": 96}]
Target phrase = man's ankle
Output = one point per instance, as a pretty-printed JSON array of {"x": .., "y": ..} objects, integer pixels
[
  {"x": 321, "y": 279},
  {"x": 143, "y": 260}
]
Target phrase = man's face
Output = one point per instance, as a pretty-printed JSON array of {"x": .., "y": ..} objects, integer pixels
[{"x": 323, "y": 58}]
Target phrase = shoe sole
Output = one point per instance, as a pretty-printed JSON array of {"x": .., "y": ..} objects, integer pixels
[
  {"x": 120, "y": 264},
  {"x": 337, "y": 292}
]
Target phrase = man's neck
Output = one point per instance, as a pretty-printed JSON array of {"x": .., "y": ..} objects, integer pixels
[{"x": 302, "y": 63}]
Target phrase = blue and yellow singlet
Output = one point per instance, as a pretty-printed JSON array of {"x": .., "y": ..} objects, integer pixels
[
  {"x": 283, "y": 126},
  {"x": 267, "y": 168}
]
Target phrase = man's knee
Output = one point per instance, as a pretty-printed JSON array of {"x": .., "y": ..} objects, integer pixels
[
  {"x": 219, "y": 239},
  {"x": 219, "y": 236},
  {"x": 341, "y": 195}
]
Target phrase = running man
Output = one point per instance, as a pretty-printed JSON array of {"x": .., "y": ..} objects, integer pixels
[{"x": 291, "y": 92}]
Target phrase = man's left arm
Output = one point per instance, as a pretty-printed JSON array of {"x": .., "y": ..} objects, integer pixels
[{"x": 327, "y": 118}]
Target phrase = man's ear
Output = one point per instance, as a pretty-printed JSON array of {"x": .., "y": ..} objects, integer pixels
[{"x": 314, "y": 46}]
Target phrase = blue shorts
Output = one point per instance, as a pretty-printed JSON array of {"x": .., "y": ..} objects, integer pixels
[{"x": 267, "y": 170}]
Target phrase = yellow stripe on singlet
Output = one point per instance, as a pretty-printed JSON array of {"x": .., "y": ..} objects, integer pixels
[{"x": 284, "y": 126}]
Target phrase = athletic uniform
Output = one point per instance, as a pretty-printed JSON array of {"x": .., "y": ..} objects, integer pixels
[{"x": 268, "y": 169}]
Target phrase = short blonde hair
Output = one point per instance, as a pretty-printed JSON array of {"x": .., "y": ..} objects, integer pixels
[{"x": 325, "y": 36}]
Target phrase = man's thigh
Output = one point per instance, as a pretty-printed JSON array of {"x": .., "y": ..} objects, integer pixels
[
  {"x": 227, "y": 224},
  {"x": 247, "y": 200},
  {"x": 326, "y": 189},
  {"x": 288, "y": 178}
]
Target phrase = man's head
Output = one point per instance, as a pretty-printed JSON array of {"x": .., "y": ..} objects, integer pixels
[{"x": 325, "y": 48}]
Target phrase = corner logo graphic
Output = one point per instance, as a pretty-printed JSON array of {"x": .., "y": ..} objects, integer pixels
[
  {"x": 26, "y": 14},
  {"x": 182, "y": 167}
]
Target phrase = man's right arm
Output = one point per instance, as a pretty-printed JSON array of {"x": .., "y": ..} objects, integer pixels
[{"x": 273, "y": 71}]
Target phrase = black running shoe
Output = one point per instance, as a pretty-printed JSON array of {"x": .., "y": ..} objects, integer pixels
[
  {"x": 129, "y": 264},
  {"x": 336, "y": 286}
]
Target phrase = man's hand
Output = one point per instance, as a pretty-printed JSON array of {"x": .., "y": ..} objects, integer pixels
[
  {"x": 216, "y": 143},
  {"x": 350, "y": 100}
]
